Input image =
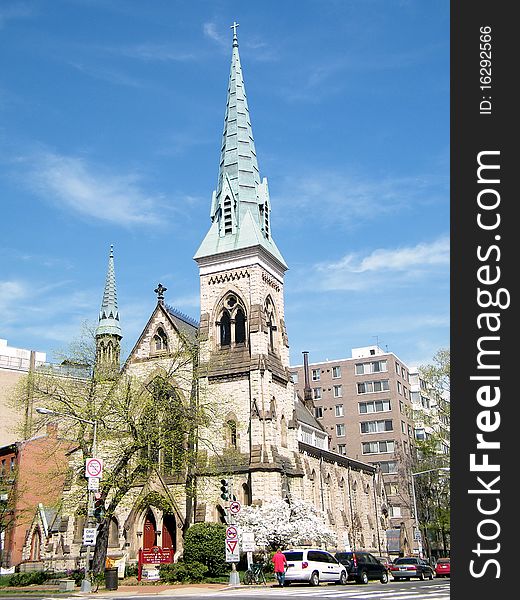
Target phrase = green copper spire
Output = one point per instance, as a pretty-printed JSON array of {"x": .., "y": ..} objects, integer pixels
[
  {"x": 240, "y": 208},
  {"x": 109, "y": 315}
]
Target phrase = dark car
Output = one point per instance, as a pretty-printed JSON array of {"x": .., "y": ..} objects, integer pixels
[
  {"x": 411, "y": 566},
  {"x": 363, "y": 566}
]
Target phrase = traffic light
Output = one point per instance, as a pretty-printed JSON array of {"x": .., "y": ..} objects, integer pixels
[
  {"x": 99, "y": 507},
  {"x": 224, "y": 489}
]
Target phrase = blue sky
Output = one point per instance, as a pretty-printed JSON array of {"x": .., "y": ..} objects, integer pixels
[{"x": 111, "y": 116}]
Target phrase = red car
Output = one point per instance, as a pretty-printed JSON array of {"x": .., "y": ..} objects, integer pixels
[{"x": 442, "y": 568}]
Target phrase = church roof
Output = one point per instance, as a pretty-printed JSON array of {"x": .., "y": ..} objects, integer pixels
[
  {"x": 108, "y": 322},
  {"x": 240, "y": 208},
  {"x": 185, "y": 324}
]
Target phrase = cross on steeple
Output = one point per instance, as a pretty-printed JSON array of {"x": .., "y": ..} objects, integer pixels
[
  {"x": 234, "y": 28},
  {"x": 159, "y": 290}
]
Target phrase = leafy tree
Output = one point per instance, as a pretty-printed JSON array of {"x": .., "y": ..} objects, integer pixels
[
  {"x": 282, "y": 524},
  {"x": 433, "y": 488},
  {"x": 145, "y": 424}
]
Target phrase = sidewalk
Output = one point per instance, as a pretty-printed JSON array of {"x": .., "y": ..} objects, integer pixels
[{"x": 123, "y": 590}]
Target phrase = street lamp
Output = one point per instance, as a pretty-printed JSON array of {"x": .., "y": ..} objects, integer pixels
[
  {"x": 86, "y": 586},
  {"x": 418, "y": 531}
]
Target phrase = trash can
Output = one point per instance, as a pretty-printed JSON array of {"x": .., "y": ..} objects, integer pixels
[{"x": 111, "y": 578}]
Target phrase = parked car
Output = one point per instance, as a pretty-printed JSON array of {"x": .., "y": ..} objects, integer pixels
[
  {"x": 363, "y": 566},
  {"x": 313, "y": 566},
  {"x": 386, "y": 560},
  {"x": 411, "y": 566},
  {"x": 442, "y": 568}
]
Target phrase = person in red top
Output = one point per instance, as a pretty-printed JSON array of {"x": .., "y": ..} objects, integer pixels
[{"x": 280, "y": 566}]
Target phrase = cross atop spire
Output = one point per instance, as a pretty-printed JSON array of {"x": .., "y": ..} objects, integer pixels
[{"x": 234, "y": 28}]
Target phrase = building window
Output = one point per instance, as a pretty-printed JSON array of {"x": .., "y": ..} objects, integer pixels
[
  {"x": 403, "y": 427},
  {"x": 316, "y": 374},
  {"x": 294, "y": 377},
  {"x": 231, "y": 433},
  {"x": 316, "y": 393},
  {"x": 392, "y": 489},
  {"x": 240, "y": 327},
  {"x": 369, "y": 387},
  {"x": 336, "y": 372},
  {"x": 374, "y": 406},
  {"x": 420, "y": 434},
  {"x": 388, "y": 467},
  {"x": 342, "y": 449},
  {"x": 376, "y": 426},
  {"x": 397, "y": 368},
  {"x": 12, "y": 463},
  {"x": 376, "y": 366},
  {"x": 382, "y": 447},
  {"x": 339, "y": 410},
  {"x": 160, "y": 340},
  {"x": 340, "y": 429},
  {"x": 225, "y": 329},
  {"x": 395, "y": 511},
  {"x": 318, "y": 412},
  {"x": 338, "y": 391},
  {"x": 399, "y": 388}
]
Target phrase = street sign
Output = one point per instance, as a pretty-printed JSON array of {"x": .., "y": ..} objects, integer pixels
[
  {"x": 248, "y": 541},
  {"x": 89, "y": 536},
  {"x": 232, "y": 551},
  {"x": 234, "y": 507},
  {"x": 93, "y": 484},
  {"x": 231, "y": 533},
  {"x": 94, "y": 467}
]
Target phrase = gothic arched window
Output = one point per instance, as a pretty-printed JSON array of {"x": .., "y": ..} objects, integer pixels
[
  {"x": 231, "y": 324},
  {"x": 270, "y": 319},
  {"x": 225, "y": 329},
  {"x": 160, "y": 340},
  {"x": 232, "y": 433},
  {"x": 240, "y": 327}
]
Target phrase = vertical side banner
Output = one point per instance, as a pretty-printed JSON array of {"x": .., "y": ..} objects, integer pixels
[{"x": 484, "y": 319}]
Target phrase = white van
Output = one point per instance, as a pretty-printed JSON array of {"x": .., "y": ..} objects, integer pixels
[{"x": 313, "y": 566}]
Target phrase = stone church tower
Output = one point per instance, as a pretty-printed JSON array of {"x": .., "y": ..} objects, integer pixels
[{"x": 244, "y": 354}]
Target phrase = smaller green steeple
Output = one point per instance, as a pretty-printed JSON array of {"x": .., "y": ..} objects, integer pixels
[
  {"x": 108, "y": 331},
  {"x": 108, "y": 322}
]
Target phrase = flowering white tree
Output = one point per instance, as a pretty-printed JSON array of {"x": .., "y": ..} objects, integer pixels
[{"x": 280, "y": 524}]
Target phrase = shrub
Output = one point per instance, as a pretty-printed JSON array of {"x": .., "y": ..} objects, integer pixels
[
  {"x": 22, "y": 579},
  {"x": 205, "y": 543},
  {"x": 181, "y": 571}
]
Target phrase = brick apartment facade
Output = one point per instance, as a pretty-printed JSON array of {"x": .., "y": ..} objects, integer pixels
[
  {"x": 31, "y": 472},
  {"x": 364, "y": 404}
]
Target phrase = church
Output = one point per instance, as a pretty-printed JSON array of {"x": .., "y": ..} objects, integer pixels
[{"x": 262, "y": 437}]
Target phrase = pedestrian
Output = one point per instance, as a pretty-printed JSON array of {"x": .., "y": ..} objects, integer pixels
[{"x": 280, "y": 566}]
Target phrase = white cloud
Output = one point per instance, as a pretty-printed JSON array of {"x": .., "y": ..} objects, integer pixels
[
  {"x": 210, "y": 31},
  {"x": 382, "y": 266},
  {"x": 90, "y": 191}
]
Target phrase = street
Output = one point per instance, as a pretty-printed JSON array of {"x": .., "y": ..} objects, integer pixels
[{"x": 408, "y": 590}]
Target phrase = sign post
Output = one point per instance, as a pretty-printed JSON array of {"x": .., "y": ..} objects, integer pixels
[{"x": 232, "y": 545}]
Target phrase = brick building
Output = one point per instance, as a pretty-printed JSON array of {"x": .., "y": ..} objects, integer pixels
[
  {"x": 31, "y": 472},
  {"x": 364, "y": 404}
]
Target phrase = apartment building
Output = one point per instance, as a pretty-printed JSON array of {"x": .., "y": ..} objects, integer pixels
[
  {"x": 15, "y": 363},
  {"x": 364, "y": 404}
]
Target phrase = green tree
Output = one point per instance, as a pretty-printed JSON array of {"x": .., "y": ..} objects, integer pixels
[
  {"x": 144, "y": 423},
  {"x": 433, "y": 488}
]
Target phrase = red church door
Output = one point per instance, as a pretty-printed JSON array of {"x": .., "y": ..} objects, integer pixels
[
  {"x": 149, "y": 534},
  {"x": 169, "y": 530}
]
